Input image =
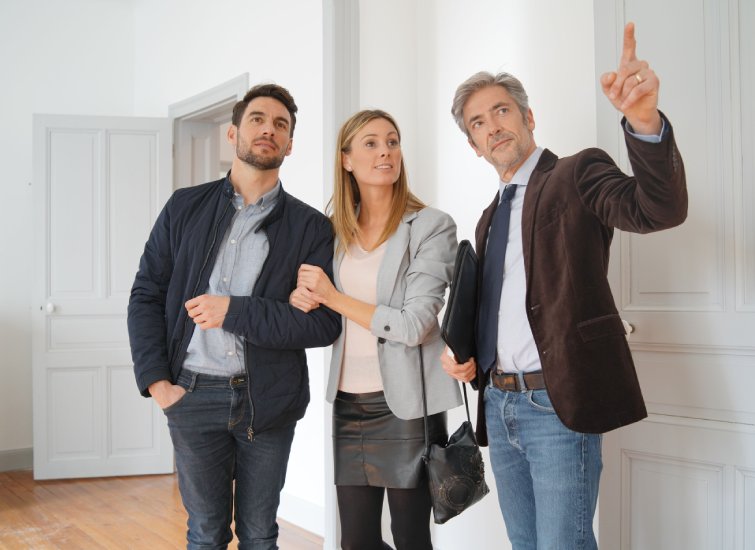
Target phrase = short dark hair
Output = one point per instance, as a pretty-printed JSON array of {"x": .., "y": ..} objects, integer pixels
[{"x": 266, "y": 90}]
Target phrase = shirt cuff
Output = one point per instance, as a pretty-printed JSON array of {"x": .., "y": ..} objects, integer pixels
[{"x": 648, "y": 138}]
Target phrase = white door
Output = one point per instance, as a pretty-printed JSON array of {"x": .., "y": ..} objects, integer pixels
[
  {"x": 685, "y": 477},
  {"x": 197, "y": 152},
  {"x": 99, "y": 183}
]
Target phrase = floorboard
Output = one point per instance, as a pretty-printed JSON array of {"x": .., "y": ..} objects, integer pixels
[{"x": 103, "y": 513}]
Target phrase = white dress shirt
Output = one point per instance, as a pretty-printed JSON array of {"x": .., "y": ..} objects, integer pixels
[{"x": 517, "y": 351}]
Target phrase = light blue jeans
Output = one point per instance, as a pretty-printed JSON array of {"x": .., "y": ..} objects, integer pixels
[
  {"x": 213, "y": 454},
  {"x": 546, "y": 474}
]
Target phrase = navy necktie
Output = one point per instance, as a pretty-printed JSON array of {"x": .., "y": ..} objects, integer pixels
[{"x": 492, "y": 280}]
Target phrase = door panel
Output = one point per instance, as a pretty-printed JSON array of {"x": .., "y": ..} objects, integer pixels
[
  {"x": 130, "y": 206},
  {"x": 99, "y": 184},
  {"x": 683, "y": 478},
  {"x": 197, "y": 152},
  {"x": 72, "y": 232}
]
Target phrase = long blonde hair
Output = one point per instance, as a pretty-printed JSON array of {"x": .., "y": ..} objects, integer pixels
[{"x": 342, "y": 207}]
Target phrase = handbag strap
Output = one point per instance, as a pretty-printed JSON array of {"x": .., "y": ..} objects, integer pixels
[{"x": 424, "y": 403}]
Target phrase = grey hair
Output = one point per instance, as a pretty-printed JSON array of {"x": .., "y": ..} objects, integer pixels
[{"x": 481, "y": 80}]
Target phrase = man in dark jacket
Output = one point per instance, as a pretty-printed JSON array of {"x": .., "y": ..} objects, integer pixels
[
  {"x": 223, "y": 257},
  {"x": 553, "y": 366}
]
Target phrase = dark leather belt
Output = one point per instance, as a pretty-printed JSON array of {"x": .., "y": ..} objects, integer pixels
[{"x": 510, "y": 382}]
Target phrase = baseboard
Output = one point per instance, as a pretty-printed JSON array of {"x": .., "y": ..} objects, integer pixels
[
  {"x": 302, "y": 513},
  {"x": 16, "y": 459}
]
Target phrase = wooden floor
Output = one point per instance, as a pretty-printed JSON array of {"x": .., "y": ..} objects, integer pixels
[{"x": 143, "y": 512}]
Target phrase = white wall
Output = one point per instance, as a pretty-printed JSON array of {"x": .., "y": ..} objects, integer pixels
[
  {"x": 547, "y": 44},
  {"x": 55, "y": 57},
  {"x": 413, "y": 56},
  {"x": 183, "y": 47},
  {"x": 388, "y": 59}
]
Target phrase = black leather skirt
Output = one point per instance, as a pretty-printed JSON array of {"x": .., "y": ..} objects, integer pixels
[{"x": 372, "y": 446}]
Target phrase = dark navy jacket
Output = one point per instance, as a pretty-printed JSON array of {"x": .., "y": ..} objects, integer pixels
[{"x": 176, "y": 266}]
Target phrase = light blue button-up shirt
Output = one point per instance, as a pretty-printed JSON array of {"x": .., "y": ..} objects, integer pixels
[{"x": 237, "y": 267}]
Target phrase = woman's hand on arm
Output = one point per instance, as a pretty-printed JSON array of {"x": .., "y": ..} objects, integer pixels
[
  {"x": 322, "y": 290},
  {"x": 316, "y": 281}
]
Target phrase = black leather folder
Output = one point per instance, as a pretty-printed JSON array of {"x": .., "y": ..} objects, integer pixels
[{"x": 458, "y": 328}]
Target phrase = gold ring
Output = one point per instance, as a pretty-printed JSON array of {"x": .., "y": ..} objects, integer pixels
[{"x": 638, "y": 77}]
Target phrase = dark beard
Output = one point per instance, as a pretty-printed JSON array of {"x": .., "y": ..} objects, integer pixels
[
  {"x": 258, "y": 161},
  {"x": 244, "y": 153}
]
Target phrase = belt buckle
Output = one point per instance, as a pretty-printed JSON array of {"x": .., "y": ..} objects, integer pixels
[
  {"x": 512, "y": 381},
  {"x": 507, "y": 381}
]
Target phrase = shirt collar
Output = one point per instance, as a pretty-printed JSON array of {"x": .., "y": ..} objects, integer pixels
[
  {"x": 268, "y": 198},
  {"x": 265, "y": 201}
]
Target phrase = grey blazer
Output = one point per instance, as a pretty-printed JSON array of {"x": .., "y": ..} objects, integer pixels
[{"x": 411, "y": 286}]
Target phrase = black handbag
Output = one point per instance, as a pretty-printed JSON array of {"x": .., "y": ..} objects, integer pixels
[
  {"x": 458, "y": 328},
  {"x": 455, "y": 471}
]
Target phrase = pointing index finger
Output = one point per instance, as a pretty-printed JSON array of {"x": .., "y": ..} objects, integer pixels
[{"x": 630, "y": 44}]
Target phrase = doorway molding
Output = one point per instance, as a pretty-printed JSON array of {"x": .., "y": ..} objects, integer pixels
[
  {"x": 200, "y": 105},
  {"x": 341, "y": 75},
  {"x": 195, "y": 143}
]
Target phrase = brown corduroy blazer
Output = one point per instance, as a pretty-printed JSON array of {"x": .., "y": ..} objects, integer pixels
[{"x": 571, "y": 206}]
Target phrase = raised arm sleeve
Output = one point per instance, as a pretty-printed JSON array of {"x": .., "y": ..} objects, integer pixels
[{"x": 428, "y": 276}]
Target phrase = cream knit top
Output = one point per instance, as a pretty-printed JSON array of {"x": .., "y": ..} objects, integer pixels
[{"x": 360, "y": 371}]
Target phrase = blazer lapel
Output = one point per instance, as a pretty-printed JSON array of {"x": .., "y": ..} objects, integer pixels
[
  {"x": 483, "y": 228},
  {"x": 396, "y": 247},
  {"x": 536, "y": 184},
  {"x": 337, "y": 260}
]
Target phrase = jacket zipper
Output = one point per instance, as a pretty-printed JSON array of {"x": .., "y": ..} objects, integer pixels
[
  {"x": 250, "y": 429},
  {"x": 182, "y": 354}
]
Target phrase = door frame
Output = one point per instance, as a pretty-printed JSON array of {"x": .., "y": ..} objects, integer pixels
[
  {"x": 209, "y": 106},
  {"x": 341, "y": 76}
]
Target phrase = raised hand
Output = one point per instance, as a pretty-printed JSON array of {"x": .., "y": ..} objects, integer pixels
[{"x": 633, "y": 88}]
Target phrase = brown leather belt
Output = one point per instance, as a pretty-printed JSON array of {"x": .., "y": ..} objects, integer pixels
[{"x": 510, "y": 382}]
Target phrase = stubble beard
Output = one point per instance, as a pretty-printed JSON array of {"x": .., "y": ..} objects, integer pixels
[
  {"x": 514, "y": 156},
  {"x": 260, "y": 162}
]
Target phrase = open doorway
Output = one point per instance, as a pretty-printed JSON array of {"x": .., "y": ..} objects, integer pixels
[{"x": 200, "y": 150}]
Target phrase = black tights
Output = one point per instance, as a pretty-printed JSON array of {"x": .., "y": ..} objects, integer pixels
[{"x": 360, "y": 509}]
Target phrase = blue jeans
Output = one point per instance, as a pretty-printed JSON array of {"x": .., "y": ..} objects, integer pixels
[
  {"x": 208, "y": 428},
  {"x": 546, "y": 474}
]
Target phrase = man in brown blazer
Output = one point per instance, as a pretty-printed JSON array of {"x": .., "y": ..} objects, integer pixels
[{"x": 553, "y": 367}]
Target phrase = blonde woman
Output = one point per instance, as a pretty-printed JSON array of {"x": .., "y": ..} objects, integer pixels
[{"x": 393, "y": 261}]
